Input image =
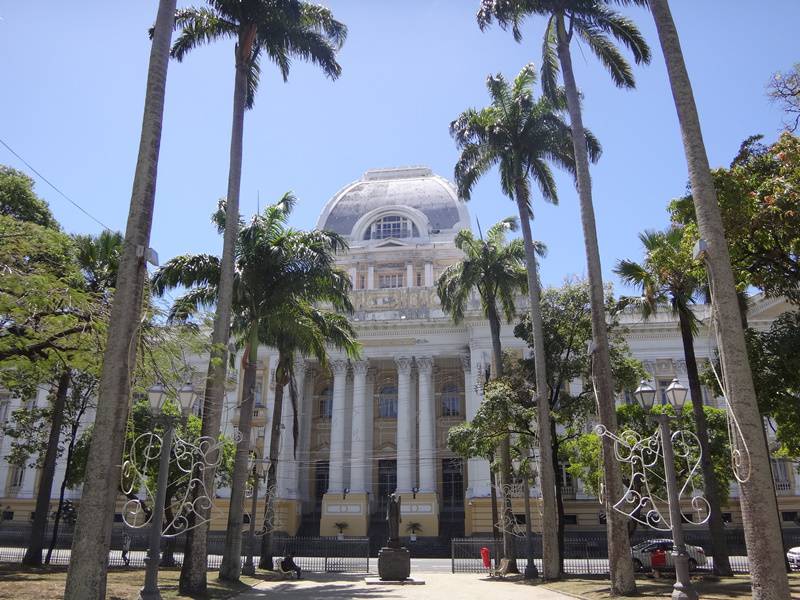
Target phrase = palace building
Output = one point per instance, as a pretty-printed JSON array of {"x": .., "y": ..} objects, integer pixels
[{"x": 378, "y": 425}]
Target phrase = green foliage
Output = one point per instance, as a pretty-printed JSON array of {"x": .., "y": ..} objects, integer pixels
[
  {"x": 759, "y": 197},
  {"x": 668, "y": 275},
  {"x": 591, "y": 22},
  {"x": 519, "y": 135},
  {"x": 18, "y": 200},
  {"x": 775, "y": 362},
  {"x": 585, "y": 459},
  {"x": 279, "y": 31},
  {"x": 141, "y": 421},
  {"x": 492, "y": 266},
  {"x": 46, "y": 310},
  {"x": 501, "y": 413}
]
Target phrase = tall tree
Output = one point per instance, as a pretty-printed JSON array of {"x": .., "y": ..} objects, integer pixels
[
  {"x": 18, "y": 200},
  {"x": 280, "y": 30},
  {"x": 784, "y": 89},
  {"x": 298, "y": 329},
  {"x": 759, "y": 507},
  {"x": 591, "y": 21},
  {"x": 276, "y": 267},
  {"x": 759, "y": 200},
  {"x": 496, "y": 269},
  {"x": 566, "y": 314},
  {"x": 668, "y": 277},
  {"x": 86, "y": 579},
  {"x": 520, "y": 135}
]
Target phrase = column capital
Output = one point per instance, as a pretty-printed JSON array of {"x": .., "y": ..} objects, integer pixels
[
  {"x": 424, "y": 364},
  {"x": 339, "y": 367},
  {"x": 465, "y": 362},
  {"x": 360, "y": 367},
  {"x": 403, "y": 364}
]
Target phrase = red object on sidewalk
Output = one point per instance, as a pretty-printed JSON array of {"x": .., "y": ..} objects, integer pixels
[
  {"x": 658, "y": 558},
  {"x": 487, "y": 561}
]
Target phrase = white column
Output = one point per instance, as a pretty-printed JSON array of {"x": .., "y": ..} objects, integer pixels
[
  {"x": 288, "y": 466},
  {"x": 477, "y": 468},
  {"x": 5, "y": 446},
  {"x": 370, "y": 432},
  {"x": 409, "y": 275},
  {"x": 338, "y": 416},
  {"x": 359, "y": 451},
  {"x": 427, "y": 426},
  {"x": 304, "y": 444},
  {"x": 370, "y": 277},
  {"x": 352, "y": 273},
  {"x": 428, "y": 274},
  {"x": 405, "y": 429}
]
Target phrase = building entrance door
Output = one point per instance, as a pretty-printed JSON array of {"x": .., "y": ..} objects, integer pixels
[
  {"x": 387, "y": 483},
  {"x": 452, "y": 486}
]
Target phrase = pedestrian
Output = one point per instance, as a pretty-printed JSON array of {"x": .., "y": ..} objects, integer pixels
[
  {"x": 126, "y": 548},
  {"x": 288, "y": 564}
]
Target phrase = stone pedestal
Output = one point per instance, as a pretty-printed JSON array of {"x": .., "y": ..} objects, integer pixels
[
  {"x": 394, "y": 564},
  {"x": 422, "y": 509}
]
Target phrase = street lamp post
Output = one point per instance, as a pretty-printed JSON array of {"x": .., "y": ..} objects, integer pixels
[
  {"x": 676, "y": 395},
  {"x": 249, "y": 567},
  {"x": 156, "y": 396}
]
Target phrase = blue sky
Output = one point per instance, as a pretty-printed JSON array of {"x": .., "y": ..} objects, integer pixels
[{"x": 73, "y": 85}]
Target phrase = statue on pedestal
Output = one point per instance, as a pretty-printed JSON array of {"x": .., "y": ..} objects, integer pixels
[
  {"x": 394, "y": 561},
  {"x": 394, "y": 519}
]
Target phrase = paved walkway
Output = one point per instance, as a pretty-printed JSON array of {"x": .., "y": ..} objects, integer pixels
[{"x": 438, "y": 586}]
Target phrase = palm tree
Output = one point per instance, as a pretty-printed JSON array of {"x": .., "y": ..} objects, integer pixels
[
  {"x": 759, "y": 508},
  {"x": 86, "y": 579},
  {"x": 278, "y": 30},
  {"x": 592, "y": 21},
  {"x": 275, "y": 266},
  {"x": 299, "y": 329},
  {"x": 666, "y": 277},
  {"x": 520, "y": 135},
  {"x": 496, "y": 269}
]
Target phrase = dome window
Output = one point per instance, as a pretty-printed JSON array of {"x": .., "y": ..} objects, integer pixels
[{"x": 391, "y": 226}]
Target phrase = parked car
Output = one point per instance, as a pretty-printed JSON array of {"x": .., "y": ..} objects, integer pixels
[
  {"x": 793, "y": 556},
  {"x": 643, "y": 552}
]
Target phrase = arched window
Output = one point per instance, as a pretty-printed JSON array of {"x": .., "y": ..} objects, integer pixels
[
  {"x": 387, "y": 402},
  {"x": 451, "y": 400},
  {"x": 391, "y": 226},
  {"x": 326, "y": 403}
]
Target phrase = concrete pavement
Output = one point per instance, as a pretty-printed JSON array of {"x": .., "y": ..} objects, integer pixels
[{"x": 438, "y": 586}]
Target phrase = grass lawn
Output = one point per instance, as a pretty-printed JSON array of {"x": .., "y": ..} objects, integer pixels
[
  {"x": 17, "y": 583},
  {"x": 716, "y": 588}
]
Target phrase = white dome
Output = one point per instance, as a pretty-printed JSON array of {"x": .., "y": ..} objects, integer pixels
[{"x": 426, "y": 199}]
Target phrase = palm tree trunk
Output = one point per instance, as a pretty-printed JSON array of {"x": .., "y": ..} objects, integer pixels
[
  {"x": 231, "y": 567},
  {"x": 33, "y": 554},
  {"x": 620, "y": 565},
  {"x": 265, "y": 562},
  {"x": 759, "y": 509},
  {"x": 559, "y": 500},
  {"x": 506, "y": 478},
  {"x": 86, "y": 579},
  {"x": 193, "y": 572},
  {"x": 719, "y": 546},
  {"x": 495, "y": 512},
  {"x": 547, "y": 476}
]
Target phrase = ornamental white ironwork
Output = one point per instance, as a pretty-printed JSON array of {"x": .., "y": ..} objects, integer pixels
[
  {"x": 644, "y": 454},
  {"x": 190, "y": 459}
]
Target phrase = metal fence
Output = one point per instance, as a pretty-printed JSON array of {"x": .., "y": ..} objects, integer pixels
[
  {"x": 313, "y": 554},
  {"x": 587, "y": 554}
]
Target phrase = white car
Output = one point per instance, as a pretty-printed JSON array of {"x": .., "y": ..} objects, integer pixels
[
  {"x": 642, "y": 553},
  {"x": 793, "y": 556}
]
